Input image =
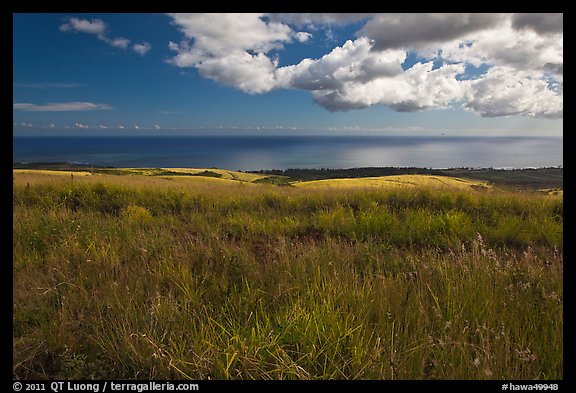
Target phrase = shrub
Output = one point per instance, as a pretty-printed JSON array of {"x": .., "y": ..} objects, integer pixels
[{"x": 136, "y": 213}]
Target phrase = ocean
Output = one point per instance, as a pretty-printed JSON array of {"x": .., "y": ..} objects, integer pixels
[{"x": 283, "y": 152}]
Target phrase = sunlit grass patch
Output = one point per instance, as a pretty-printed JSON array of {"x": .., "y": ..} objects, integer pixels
[
  {"x": 51, "y": 172},
  {"x": 397, "y": 181}
]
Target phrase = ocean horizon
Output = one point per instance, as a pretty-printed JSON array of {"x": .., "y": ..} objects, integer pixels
[{"x": 259, "y": 152}]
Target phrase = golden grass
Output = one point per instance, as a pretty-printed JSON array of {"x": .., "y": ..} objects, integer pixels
[
  {"x": 385, "y": 182},
  {"x": 396, "y": 181},
  {"x": 190, "y": 184},
  {"x": 50, "y": 172},
  {"x": 552, "y": 192},
  {"x": 227, "y": 175}
]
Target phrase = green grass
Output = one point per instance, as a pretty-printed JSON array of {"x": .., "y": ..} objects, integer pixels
[{"x": 139, "y": 277}]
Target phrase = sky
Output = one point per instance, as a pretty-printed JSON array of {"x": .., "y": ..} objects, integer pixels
[{"x": 398, "y": 74}]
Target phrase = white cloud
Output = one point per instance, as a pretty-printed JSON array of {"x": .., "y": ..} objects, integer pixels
[
  {"x": 216, "y": 34},
  {"x": 118, "y": 42},
  {"x": 354, "y": 61},
  {"x": 142, "y": 48},
  {"x": 232, "y": 48},
  {"x": 505, "y": 46},
  {"x": 302, "y": 36},
  {"x": 100, "y": 29},
  {"x": 59, "y": 107},
  {"x": 249, "y": 73},
  {"x": 523, "y": 54},
  {"x": 353, "y": 76},
  {"x": 420, "y": 87},
  {"x": 505, "y": 91},
  {"x": 94, "y": 26}
]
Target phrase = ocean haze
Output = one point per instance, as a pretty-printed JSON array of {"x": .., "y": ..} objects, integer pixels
[{"x": 283, "y": 152}]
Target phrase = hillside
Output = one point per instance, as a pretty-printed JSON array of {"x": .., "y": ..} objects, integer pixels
[
  {"x": 213, "y": 176},
  {"x": 515, "y": 179},
  {"x": 396, "y": 181},
  {"x": 221, "y": 175},
  {"x": 512, "y": 179}
]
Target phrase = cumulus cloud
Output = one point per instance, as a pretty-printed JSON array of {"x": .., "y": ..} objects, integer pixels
[
  {"x": 420, "y": 87},
  {"x": 101, "y": 30},
  {"x": 352, "y": 62},
  {"x": 306, "y": 19},
  {"x": 94, "y": 26},
  {"x": 505, "y": 91},
  {"x": 521, "y": 57},
  {"x": 504, "y": 46},
  {"x": 541, "y": 22},
  {"x": 215, "y": 34},
  {"x": 414, "y": 30},
  {"x": 354, "y": 77},
  {"x": 118, "y": 42},
  {"x": 60, "y": 107},
  {"x": 142, "y": 48},
  {"x": 249, "y": 73},
  {"x": 302, "y": 36},
  {"x": 232, "y": 48}
]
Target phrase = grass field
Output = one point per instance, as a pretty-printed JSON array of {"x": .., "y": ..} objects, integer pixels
[
  {"x": 398, "y": 181},
  {"x": 156, "y": 275}
]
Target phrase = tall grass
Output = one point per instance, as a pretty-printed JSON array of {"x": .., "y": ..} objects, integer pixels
[{"x": 173, "y": 279}]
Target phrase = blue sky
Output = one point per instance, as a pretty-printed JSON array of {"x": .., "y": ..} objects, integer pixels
[{"x": 421, "y": 74}]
